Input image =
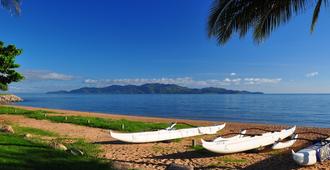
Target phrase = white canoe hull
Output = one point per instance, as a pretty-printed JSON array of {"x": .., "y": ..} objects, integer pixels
[
  {"x": 289, "y": 143},
  {"x": 163, "y": 135},
  {"x": 247, "y": 143}
]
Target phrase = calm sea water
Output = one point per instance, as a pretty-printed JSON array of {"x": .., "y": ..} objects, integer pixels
[{"x": 306, "y": 110}]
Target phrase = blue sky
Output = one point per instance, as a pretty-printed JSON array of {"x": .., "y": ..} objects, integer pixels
[{"x": 71, "y": 44}]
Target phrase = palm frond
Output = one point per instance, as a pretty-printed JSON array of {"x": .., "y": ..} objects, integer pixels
[
  {"x": 14, "y": 6},
  {"x": 262, "y": 17},
  {"x": 316, "y": 14}
]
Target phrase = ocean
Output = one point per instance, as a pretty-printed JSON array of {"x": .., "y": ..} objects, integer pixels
[{"x": 289, "y": 109}]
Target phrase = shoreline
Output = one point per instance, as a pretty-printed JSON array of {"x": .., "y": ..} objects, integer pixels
[
  {"x": 160, "y": 119},
  {"x": 159, "y": 155}
]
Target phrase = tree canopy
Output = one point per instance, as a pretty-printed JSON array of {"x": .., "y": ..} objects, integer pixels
[
  {"x": 8, "y": 65},
  {"x": 14, "y": 6},
  {"x": 261, "y": 16}
]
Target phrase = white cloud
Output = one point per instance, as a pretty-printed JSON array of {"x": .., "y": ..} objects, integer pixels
[
  {"x": 312, "y": 74},
  {"x": 45, "y": 75},
  {"x": 233, "y": 81},
  {"x": 252, "y": 81},
  {"x": 233, "y": 74},
  {"x": 187, "y": 81},
  {"x": 184, "y": 81}
]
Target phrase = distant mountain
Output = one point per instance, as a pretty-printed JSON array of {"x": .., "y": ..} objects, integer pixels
[{"x": 154, "y": 88}]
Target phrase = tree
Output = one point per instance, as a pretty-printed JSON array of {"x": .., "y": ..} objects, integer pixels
[
  {"x": 8, "y": 54},
  {"x": 261, "y": 16},
  {"x": 8, "y": 65},
  {"x": 14, "y": 6}
]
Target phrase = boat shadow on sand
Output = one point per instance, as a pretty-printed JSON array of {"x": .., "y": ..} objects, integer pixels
[
  {"x": 118, "y": 142},
  {"x": 114, "y": 142},
  {"x": 275, "y": 161},
  {"x": 186, "y": 155}
]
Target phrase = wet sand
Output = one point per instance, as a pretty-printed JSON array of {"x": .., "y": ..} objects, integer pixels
[{"x": 159, "y": 155}]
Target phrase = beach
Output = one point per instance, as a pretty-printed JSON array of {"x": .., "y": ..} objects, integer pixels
[
  {"x": 164, "y": 85},
  {"x": 161, "y": 154}
]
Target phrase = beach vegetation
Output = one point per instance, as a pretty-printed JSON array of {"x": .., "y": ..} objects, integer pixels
[
  {"x": 231, "y": 159},
  {"x": 8, "y": 74},
  {"x": 104, "y": 123},
  {"x": 197, "y": 148},
  {"x": 14, "y": 6},
  {"x": 274, "y": 152},
  {"x": 33, "y": 131},
  {"x": 261, "y": 16},
  {"x": 227, "y": 159},
  {"x": 17, "y": 152}
]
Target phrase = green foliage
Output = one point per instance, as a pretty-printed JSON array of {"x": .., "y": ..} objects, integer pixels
[
  {"x": 261, "y": 16},
  {"x": 231, "y": 159},
  {"x": 8, "y": 65},
  {"x": 33, "y": 131},
  {"x": 104, "y": 123},
  {"x": 14, "y": 6},
  {"x": 197, "y": 148},
  {"x": 17, "y": 153}
]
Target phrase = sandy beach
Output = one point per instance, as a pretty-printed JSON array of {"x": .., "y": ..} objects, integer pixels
[{"x": 161, "y": 154}]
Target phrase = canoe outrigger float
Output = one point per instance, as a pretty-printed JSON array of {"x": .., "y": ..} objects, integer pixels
[
  {"x": 318, "y": 152},
  {"x": 165, "y": 134},
  {"x": 242, "y": 142}
]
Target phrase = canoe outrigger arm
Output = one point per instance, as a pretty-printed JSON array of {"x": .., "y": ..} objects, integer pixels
[{"x": 171, "y": 127}]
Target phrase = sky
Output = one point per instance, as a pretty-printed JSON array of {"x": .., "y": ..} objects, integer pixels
[{"x": 68, "y": 44}]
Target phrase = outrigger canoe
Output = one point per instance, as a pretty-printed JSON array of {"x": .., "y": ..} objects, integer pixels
[
  {"x": 318, "y": 152},
  {"x": 166, "y": 134},
  {"x": 240, "y": 143}
]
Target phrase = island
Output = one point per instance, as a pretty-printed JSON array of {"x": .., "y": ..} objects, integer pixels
[{"x": 151, "y": 88}]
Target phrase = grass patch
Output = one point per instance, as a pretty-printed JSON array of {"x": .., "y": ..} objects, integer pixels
[
  {"x": 33, "y": 131},
  {"x": 157, "y": 148},
  {"x": 197, "y": 148},
  {"x": 92, "y": 150},
  {"x": 176, "y": 140},
  {"x": 225, "y": 160},
  {"x": 17, "y": 152},
  {"x": 274, "y": 152},
  {"x": 104, "y": 123},
  {"x": 231, "y": 159}
]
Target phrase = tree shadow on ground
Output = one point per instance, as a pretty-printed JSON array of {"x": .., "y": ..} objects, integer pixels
[
  {"x": 140, "y": 162},
  {"x": 22, "y": 145}
]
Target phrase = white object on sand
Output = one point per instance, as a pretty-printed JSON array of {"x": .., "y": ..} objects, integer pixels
[
  {"x": 248, "y": 142},
  {"x": 319, "y": 151},
  {"x": 163, "y": 135},
  {"x": 286, "y": 144}
]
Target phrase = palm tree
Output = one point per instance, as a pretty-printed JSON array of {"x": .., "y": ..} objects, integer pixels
[
  {"x": 14, "y": 6},
  {"x": 261, "y": 16}
]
